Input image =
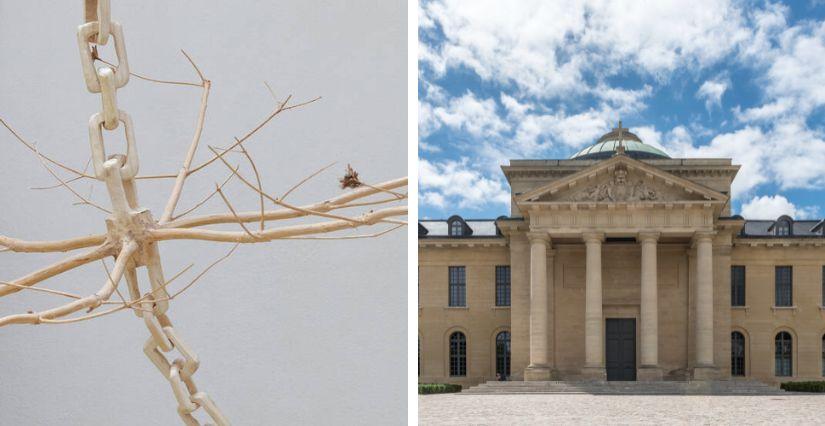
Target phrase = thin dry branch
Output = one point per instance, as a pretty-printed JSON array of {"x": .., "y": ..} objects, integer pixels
[
  {"x": 150, "y": 79},
  {"x": 208, "y": 197},
  {"x": 281, "y": 108},
  {"x": 57, "y": 268},
  {"x": 351, "y": 237},
  {"x": 13, "y": 244},
  {"x": 304, "y": 180},
  {"x": 174, "y": 197},
  {"x": 84, "y": 200},
  {"x": 32, "y": 148},
  {"x": 257, "y": 178},
  {"x": 276, "y": 233},
  {"x": 90, "y": 301},
  {"x": 338, "y": 202},
  {"x": 76, "y": 178},
  {"x": 282, "y": 203},
  {"x": 231, "y": 209}
]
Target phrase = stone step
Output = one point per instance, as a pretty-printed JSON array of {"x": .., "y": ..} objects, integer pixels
[{"x": 721, "y": 387}]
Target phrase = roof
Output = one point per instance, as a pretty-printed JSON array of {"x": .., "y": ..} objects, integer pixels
[
  {"x": 486, "y": 228},
  {"x": 799, "y": 228},
  {"x": 481, "y": 228},
  {"x": 607, "y": 145}
]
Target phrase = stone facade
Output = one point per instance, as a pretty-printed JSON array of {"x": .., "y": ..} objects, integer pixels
[{"x": 651, "y": 240}]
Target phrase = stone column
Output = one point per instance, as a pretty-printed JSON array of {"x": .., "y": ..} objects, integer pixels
[
  {"x": 704, "y": 367},
  {"x": 593, "y": 318},
  {"x": 539, "y": 368},
  {"x": 649, "y": 311}
]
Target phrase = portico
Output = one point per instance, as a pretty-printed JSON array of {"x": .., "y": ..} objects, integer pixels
[{"x": 620, "y": 199}]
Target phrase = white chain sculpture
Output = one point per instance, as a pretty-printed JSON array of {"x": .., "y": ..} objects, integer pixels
[{"x": 132, "y": 233}]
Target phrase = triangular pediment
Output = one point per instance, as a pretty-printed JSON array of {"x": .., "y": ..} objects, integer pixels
[{"x": 621, "y": 179}]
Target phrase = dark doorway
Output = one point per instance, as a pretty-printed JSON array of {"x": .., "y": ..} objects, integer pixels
[{"x": 620, "y": 348}]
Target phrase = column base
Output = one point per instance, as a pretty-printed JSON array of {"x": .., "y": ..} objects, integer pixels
[
  {"x": 538, "y": 373},
  {"x": 594, "y": 373},
  {"x": 649, "y": 373},
  {"x": 705, "y": 372}
]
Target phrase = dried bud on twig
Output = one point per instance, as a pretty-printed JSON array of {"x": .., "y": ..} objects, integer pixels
[{"x": 350, "y": 179}]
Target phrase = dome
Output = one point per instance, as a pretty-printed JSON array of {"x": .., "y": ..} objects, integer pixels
[{"x": 607, "y": 145}]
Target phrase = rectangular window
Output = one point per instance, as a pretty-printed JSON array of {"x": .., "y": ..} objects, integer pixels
[
  {"x": 737, "y": 285},
  {"x": 458, "y": 286},
  {"x": 502, "y": 285},
  {"x": 784, "y": 286}
]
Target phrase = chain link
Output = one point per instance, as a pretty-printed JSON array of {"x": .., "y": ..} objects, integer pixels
[{"x": 163, "y": 337}]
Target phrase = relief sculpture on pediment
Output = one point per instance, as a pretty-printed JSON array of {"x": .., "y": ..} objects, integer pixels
[{"x": 618, "y": 188}]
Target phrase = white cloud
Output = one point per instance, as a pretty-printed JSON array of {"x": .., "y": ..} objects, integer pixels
[
  {"x": 773, "y": 206},
  {"x": 457, "y": 184},
  {"x": 548, "y": 48},
  {"x": 475, "y": 116},
  {"x": 711, "y": 91}
]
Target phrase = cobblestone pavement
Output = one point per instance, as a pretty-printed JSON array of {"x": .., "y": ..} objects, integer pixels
[{"x": 454, "y": 409}]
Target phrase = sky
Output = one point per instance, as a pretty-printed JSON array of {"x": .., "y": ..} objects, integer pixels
[{"x": 699, "y": 78}]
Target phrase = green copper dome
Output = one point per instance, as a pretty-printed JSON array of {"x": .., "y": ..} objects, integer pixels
[{"x": 607, "y": 145}]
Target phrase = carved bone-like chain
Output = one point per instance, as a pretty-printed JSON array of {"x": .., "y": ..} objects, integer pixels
[{"x": 105, "y": 80}]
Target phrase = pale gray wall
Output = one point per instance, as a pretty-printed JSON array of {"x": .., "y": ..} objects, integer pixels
[{"x": 287, "y": 332}]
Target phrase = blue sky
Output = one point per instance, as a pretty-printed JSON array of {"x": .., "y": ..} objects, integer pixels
[{"x": 539, "y": 79}]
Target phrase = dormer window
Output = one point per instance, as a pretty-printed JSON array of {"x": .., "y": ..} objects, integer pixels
[
  {"x": 782, "y": 227},
  {"x": 456, "y": 228}
]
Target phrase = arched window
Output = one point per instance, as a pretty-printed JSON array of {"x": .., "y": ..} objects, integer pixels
[
  {"x": 458, "y": 354},
  {"x": 737, "y": 354},
  {"x": 783, "y": 353},
  {"x": 503, "y": 355},
  {"x": 456, "y": 228}
]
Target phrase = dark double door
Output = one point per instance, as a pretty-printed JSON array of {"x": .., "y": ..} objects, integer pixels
[{"x": 620, "y": 349}]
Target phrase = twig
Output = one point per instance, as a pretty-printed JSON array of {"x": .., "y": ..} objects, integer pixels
[
  {"x": 51, "y": 172},
  {"x": 174, "y": 197},
  {"x": 249, "y": 134},
  {"x": 350, "y": 237},
  {"x": 304, "y": 180},
  {"x": 85, "y": 168},
  {"x": 229, "y": 205},
  {"x": 282, "y": 203},
  {"x": 153, "y": 80},
  {"x": 257, "y": 177},
  {"x": 34, "y": 150},
  {"x": 208, "y": 197}
]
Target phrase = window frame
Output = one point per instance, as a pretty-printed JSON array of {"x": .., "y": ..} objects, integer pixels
[
  {"x": 783, "y": 228},
  {"x": 734, "y": 365},
  {"x": 457, "y": 287},
  {"x": 780, "y": 293},
  {"x": 783, "y": 356},
  {"x": 458, "y": 354},
  {"x": 456, "y": 225},
  {"x": 503, "y": 285},
  {"x": 507, "y": 358},
  {"x": 738, "y": 290}
]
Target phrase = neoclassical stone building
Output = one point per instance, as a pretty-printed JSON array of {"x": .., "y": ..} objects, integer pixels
[{"x": 621, "y": 263}]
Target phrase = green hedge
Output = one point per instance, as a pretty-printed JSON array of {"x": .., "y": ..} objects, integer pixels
[
  {"x": 818, "y": 386},
  {"x": 428, "y": 388}
]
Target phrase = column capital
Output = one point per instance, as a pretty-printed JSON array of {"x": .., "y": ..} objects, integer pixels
[
  {"x": 648, "y": 236},
  {"x": 537, "y": 237},
  {"x": 703, "y": 236},
  {"x": 593, "y": 237}
]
